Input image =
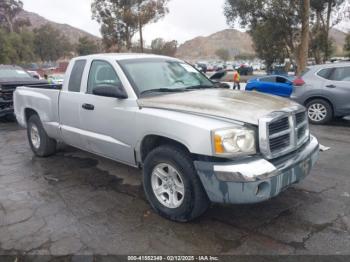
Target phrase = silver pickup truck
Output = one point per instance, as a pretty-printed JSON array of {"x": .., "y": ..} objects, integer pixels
[{"x": 196, "y": 142}]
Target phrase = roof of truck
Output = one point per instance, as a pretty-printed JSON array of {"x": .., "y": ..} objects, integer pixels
[{"x": 125, "y": 56}]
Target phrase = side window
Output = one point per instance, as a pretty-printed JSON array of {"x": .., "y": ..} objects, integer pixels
[
  {"x": 76, "y": 76},
  {"x": 101, "y": 73},
  {"x": 341, "y": 74},
  {"x": 271, "y": 79},
  {"x": 325, "y": 73},
  {"x": 281, "y": 80}
]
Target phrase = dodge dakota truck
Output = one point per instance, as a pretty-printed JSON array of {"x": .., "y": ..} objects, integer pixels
[{"x": 197, "y": 143}]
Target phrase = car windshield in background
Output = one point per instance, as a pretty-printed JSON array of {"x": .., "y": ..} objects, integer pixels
[
  {"x": 13, "y": 73},
  {"x": 154, "y": 75}
]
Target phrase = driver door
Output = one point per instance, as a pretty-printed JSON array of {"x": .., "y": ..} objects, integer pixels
[{"x": 106, "y": 122}]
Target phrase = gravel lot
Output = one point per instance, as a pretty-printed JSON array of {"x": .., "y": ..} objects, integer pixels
[{"x": 77, "y": 203}]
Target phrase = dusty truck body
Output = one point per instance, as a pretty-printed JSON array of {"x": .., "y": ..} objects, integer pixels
[{"x": 195, "y": 142}]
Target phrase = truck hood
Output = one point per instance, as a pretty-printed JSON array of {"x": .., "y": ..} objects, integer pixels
[{"x": 247, "y": 107}]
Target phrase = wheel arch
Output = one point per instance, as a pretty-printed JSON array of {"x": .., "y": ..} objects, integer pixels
[
  {"x": 152, "y": 141},
  {"x": 321, "y": 98},
  {"x": 28, "y": 112}
]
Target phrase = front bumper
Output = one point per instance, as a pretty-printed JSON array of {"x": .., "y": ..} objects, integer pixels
[
  {"x": 6, "y": 109},
  {"x": 256, "y": 179}
]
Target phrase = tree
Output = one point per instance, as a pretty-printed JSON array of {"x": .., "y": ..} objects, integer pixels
[
  {"x": 50, "y": 44},
  {"x": 118, "y": 25},
  {"x": 16, "y": 48},
  {"x": 161, "y": 47},
  {"x": 5, "y": 48},
  {"x": 170, "y": 48},
  {"x": 347, "y": 45},
  {"x": 121, "y": 19},
  {"x": 288, "y": 17},
  {"x": 148, "y": 11},
  {"x": 223, "y": 54},
  {"x": 86, "y": 46},
  {"x": 157, "y": 46},
  {"x": 303, "y": 51},
  {"x": 269, "y": 44},
  {"x": 322, "y": 22},
  {"x": 9, "y": 9}
]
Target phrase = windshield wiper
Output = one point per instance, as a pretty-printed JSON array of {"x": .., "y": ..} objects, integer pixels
[
  {"x": 199, "y": 87},
  {"x": 162, "y": 90}
]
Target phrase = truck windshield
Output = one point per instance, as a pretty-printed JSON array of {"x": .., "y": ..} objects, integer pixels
[{"x": 157, "y": 75}]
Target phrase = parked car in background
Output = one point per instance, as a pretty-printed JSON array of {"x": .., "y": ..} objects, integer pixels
[
  {"x": 34, "y": 74},
  {"x": 56, "y": 79},
  {"x": 325, "y": 91},
  {"x": 10, "y": 78},
  {"x": 274, "y": 85},
  {"x": 210, "y": 68},
  {"x": 245, "y": 70}
]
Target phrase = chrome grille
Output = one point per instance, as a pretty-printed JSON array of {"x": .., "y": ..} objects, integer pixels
[
  {"x": 283, "y": 132},
  {"x": 300, "y": 117},
  {"x": 279, "y": 142},
  {"x": 278, "y": 126}
]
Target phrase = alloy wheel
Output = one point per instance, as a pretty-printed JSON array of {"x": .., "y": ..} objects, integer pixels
[{"x": 168, "y": 186}]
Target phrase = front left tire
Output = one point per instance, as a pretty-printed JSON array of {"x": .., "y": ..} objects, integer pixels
[{"x": 172, "y": 185}]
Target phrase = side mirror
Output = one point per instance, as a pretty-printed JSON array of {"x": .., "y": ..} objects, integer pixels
[
  {"x": 221, "y": 85},
  {"x": 218, "y": 75},
  {"x": 110, "y": 90}
]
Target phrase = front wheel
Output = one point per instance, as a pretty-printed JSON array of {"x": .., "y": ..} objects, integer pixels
[
  {"x": 41, "y": 144},
  {"x": 172, "y": 185},
  {"x": 320, "y": 112}
]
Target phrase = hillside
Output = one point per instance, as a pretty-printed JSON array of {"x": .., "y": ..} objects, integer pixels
[
  {"x": 72, "y": 33},
  {"x": 205, "y": 47},
  {"x": 235, "y": 41}
]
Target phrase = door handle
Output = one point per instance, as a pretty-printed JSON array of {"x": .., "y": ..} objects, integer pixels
[
  {"x": 88, "y": 107},
  {"x": 331, "y": 86}
]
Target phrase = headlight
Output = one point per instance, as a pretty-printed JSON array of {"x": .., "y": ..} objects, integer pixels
[{"x": 234, "y": 141}]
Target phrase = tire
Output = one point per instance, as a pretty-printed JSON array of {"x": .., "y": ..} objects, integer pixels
[
  {"x": 192, "y": 203},
  {"x": 320, "y": 111},
  {"x": 41, "y": 144}
]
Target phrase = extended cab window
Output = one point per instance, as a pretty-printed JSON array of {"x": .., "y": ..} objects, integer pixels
[
  {"x": 76, "y": 76},
  {"x": 101, "y": 73}
]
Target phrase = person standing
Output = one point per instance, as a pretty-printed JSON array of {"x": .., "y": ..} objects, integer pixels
[{"x": 236, "y": 80}]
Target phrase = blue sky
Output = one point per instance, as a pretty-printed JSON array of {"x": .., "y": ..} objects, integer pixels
[{"x": 187, "y": 18}]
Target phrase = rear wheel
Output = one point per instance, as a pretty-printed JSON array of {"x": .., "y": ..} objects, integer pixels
[
  {"x": 172, "y": 185},
  {"x": 319, "y": 111},
  {"x": 41, "y": 144}
]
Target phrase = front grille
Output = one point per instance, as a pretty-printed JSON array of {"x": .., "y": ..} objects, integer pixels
[
  {"x": 283, "y": 132},
  {"x": 300, "y": 117},
  {"x": 302, "y": 132},
  {"x": 6, "y": 96},
  {"x": 279, "y": 142},
  {"x": 278, "y": 126}
]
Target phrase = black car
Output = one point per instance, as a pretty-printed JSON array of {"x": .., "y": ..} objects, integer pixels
[
  {"x": 245, "y": 70},
  {"x": 10, "y": 78}
]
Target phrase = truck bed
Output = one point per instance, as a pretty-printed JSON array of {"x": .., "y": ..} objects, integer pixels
[{"x": 44, "y": 100}]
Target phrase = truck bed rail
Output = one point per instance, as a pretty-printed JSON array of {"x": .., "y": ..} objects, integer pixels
[{"x": 46, "y": 86}]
